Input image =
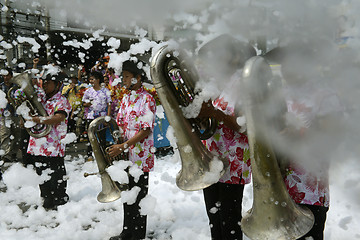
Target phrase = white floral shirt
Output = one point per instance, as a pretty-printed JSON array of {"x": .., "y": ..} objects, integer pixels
[
  {"x": 232, "y": 145},
  {"x": 137, "y": 111},
  {"x": 99, "y": 102},
  {"x": 307, "y": 103},
  {"x": 51, "y": 144}
]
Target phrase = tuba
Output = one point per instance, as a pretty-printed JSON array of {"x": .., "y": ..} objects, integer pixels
[
  {"x": 273, "y": 215},
  {"x": 111, "y": 190},
  {"x": 174, "y": 80},
  {"x": 30, "y": 98}
]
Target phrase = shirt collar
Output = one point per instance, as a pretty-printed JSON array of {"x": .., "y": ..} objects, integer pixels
[
  {"x": 140, "y": 89},
  {"x": 56, "y": 96}
]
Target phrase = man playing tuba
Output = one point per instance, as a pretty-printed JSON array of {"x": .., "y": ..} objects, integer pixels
[
  {"x": 136, "y": 118},
  {"x": 223, "y": 199},
  {"x": 47, "y": 152}
]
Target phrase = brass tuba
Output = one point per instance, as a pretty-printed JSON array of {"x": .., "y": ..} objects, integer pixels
[
  {"x": 111, "y": 190},
  {"x": 24, "y": 82},
  {"x": 174, "y": 80},
  {"x": 274, "y": 215}
]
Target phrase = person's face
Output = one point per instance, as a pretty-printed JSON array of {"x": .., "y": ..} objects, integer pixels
[
  {"x": 93, "y": 81},
  {"x": 49, "y": 86},
  {"x": 7, "y": 78},
  {"x": 129, "y": 79},
  {"x": 106, "y": 80}
]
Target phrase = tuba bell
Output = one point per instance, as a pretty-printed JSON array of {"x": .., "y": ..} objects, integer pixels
[
  {"x": 30, "y": 98},
  {"x": 273, "y": 215},
  {"x": 111, "y": 190},
  {"x": 174, "y": 80}
]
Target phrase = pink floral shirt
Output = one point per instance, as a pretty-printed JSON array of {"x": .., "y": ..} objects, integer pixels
[
  {"x": 137, "y": 111},
  {"x": 307, "y": 103},
  {"x": 231, "y": 145},
  {"x": 51, "y": 145}
]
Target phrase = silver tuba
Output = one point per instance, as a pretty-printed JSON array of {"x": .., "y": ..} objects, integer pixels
[
  {"x": 24, "y": 81},
  {"x": 174, "y": 80},
  {"x": 111, "y": 190},
  {"x": 273, "y": 215}
]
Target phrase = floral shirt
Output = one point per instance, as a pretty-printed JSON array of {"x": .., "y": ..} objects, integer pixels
[
  {"x": 51, "y": 145},
  {"x": 307, "y": 103},
  {"x": 137, "y": 111},
  {"x": 232, "y": 145},
  {"x": 99, "y": 99}
]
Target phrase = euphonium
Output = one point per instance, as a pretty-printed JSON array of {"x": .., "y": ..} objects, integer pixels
[
  {"x": 174, "y": 81},
  {"x": 24, "y": 81},
  {"x": 111, "y": 190},
  {"x": 274, "y": 215}
]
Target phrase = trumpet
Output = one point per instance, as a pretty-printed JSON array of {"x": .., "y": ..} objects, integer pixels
[
  {"x": 24, "y": 81},
  {"x": 174, "y": 80},
  {"x": 273, "y": 215},
  {"x": 111, "y": 190}
]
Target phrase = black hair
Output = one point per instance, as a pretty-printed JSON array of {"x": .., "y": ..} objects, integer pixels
[
  {"x": 97, "y": 75},
  {"x": 58, "y": 77},
  {"x": 132, "y": 67}
]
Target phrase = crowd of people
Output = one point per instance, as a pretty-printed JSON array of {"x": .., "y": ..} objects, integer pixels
[{"x": 72, "y": 102}]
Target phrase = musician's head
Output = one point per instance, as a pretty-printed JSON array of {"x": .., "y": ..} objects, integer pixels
[
  {"x": 52, "y": 81},
  {"x": 133, "y": 74},
  {"x": 224, "y": 55}
]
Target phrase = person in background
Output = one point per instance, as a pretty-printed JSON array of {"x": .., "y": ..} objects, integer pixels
[
  {"x": 71, "y": 93},
  {"x": 223, "y": 200},
  {"x": 110, "y": 73},
  {"x": 83, "y": 80},
  {"x": 10, "y": 130},
  {"x": 47, "y": 153},
  {"x": 96, "y": 101},
  {"x": 136, "y": 118},
  {"x": 82, "y": 74},
  {"x": 100, "y": 66}
]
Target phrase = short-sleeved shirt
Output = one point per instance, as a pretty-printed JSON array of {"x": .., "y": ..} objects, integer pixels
[
  {"x": 99, "y": 99},
  {"x": 307, "y": 103},
  {"x": 137, "y": 111},
  {"x": 231, "y": 145},
  {"x": 51, "y": 144},
  {"x": 72, "y": 95}
]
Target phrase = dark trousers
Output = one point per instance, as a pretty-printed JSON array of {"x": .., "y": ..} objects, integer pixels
[
  {"x": 23, "y": 145},
  {"x": 71, "y": 125},
  {"x": 52, "y": 191},
  {"x": 223, "y": 206},
  {"x": 317, "y": 231},
  {"x": 134, "y": 222}
]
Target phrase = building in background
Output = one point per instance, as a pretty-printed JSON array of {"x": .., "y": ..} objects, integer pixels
[{"x": 31, "y": 31}]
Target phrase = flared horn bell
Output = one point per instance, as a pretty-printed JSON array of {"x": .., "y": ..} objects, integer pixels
[
  {"x": 273, "y": 215},
  {"x": 200, "y": 168},
  {"x": 110, "y": 190},
  {"x": 23, "y": 81}
]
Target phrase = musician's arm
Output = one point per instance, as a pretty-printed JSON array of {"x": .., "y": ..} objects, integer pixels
[
  {"x": 208, "y": 110},
  {"x": 116, "y": 149},
  {"x": 51, "y": 120}
]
